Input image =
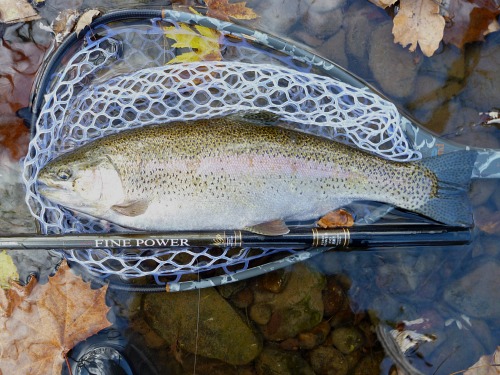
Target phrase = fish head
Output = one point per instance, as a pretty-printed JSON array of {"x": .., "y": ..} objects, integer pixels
[{"x": 86, "y": 184}]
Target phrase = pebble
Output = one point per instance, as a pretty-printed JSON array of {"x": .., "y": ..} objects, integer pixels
[
  {"x": 334, "y": 48},
  {"x": 476, "y": 294},
  {"x": 347, "y": 339},
  {"x": 481, "y": 191},
  {"x": 297, "y": 308},
  {"x": 274, "y": 361},
  {"x": 483, "y": 75},
  {"x": 261, "y": 313},
  {"x": 328, "y": 361},
  {"x": 369, "y": 365},
  {"x": 430, "y": 94},
  {"x": 359, "y": 22},
  {"x": 457, "y": 352},
  {"x": 447, "y": 62},
  {"x": 276, "y": 17},
  {"x": 243, "y": 299},
  {"x": 314, "y": 337},
  {"x": 393, "y": 67},
  {"x": 334, "y": 297},
  {"x": 322, "y": 23},
  {"x": 274, "y": 282}
]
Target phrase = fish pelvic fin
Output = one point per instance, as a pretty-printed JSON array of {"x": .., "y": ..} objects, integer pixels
[
  {"x": 132, "y": 208},
  {"x": 271, "y": 228},
  {"x": 451, "y": 204}
]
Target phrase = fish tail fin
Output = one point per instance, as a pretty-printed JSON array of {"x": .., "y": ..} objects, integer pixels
[{"x": 451, "y": 204}]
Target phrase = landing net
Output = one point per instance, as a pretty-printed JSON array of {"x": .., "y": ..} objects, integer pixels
[{"x": 119, "y": 78}]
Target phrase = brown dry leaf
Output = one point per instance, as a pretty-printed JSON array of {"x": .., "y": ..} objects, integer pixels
[
  {"x": 337, "y": 218},
  {"x": 12, "y": 11},
  {"x": 222, "y": 10},
  {"x": 419, "y": 22},
  {"x": 86, "y": 19},
  {"x": 469, "y": 21},
  {"x": 487, "y": 365},
  {"x": 39, "y": 328}
]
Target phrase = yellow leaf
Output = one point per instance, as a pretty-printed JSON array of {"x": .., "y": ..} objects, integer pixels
[
  {"x": 8, "y": 270},
  {"x": 202, "y": 41},
  {"x": 419, "y": 22}
]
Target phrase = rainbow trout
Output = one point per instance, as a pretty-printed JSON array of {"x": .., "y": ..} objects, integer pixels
[{"x": 231, "y": 174}]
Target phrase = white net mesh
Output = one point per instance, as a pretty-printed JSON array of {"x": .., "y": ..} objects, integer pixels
[{"x": 118, "y": 80}]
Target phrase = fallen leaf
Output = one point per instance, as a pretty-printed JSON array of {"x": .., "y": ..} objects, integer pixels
[
  {"x": 203, "y": 42},
  {"x": 85, "y": 20},
  {"x": 14, "y": 136},
  {"x": 8, "y": 270},
  {"x": 469, "y": 21},
  {"x": 12, "y": 11},
  {"x": 337, "y": 218},
  {"x": 487, "y": 365},
  {"x": 419, "y": 22},
  {"x": 223, "y": 10},
  {"x": 43, "y": 325}
]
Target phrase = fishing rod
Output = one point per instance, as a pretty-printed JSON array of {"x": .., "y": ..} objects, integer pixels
[{"x": 345, "y": 238}]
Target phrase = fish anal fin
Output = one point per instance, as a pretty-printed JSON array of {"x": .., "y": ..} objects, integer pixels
[
  {"x": 270, "y": 228},
  {"x": 132, "y": 208}
]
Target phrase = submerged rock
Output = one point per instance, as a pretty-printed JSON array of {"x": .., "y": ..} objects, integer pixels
[
  {"x": 392, "y": 66},
  {"x": 347, "y": 339},
  {"x": 483, "y": 80},
  {"x": 477, "y": 294},
  {"x": 218, "y": 332},
  {"x": 328, "y": 361},
  {"x": 297, "y": 308},
  {"x": 274, "y": 361}
]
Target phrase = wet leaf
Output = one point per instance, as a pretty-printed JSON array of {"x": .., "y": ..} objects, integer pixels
[
  {"x": 223, "y": 10},
  {"x": 203, "y": 42},
  {"x": 469, "y": 21},
  {"x": 419, "y": 22},
  {"x": 41, "y": 323},
  {"x": 337, "y": 218},
  {"x": 12, "y": 11},
  {"x": 85, "y": 20},
  {"x": 8, "y": 270},
  {"x": 487, "y": 365}
]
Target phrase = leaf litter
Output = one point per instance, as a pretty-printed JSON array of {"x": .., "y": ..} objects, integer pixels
[
  {"x": 40, "y": 324},
  {"x": 428, "y": 22}
]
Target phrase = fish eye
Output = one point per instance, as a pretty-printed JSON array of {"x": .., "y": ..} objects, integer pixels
[{"x": 64, "y": 174}]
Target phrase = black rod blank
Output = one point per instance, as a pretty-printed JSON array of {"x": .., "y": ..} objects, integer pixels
[{"x": 357, "y": 237}]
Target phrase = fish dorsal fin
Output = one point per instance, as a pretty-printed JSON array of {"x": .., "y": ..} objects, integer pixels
[
  {"x": 271, "y": 228},
  {"x": 131, "y": 208}
]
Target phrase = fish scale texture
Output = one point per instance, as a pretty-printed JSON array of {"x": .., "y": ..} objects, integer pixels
[{"x": 119, "y": 80}]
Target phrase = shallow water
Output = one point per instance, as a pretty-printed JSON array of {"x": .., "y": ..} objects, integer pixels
[{"x": 449, "y": 293}]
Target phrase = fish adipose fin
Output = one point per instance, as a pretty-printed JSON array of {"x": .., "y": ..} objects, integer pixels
[
  {"x": 133, "y": 208},
  {"x": 451, "y": 204},
  {"x": 271, "y": 228}
]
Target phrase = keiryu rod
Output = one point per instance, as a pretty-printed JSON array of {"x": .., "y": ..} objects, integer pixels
[{"x": 357, "y": 237}]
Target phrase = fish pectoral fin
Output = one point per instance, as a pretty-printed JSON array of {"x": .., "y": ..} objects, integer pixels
[
  {"x": 132, "y": 208},
  {"x": 271, "y": 228}
]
